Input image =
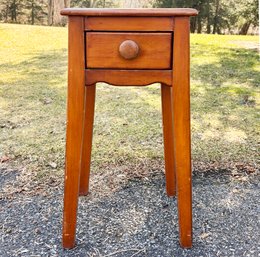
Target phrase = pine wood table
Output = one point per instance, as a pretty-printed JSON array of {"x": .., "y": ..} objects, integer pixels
[{"x": 127, "y": 47}]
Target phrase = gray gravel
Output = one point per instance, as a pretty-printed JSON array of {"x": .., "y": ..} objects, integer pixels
[{"x": 137, "y": 219}]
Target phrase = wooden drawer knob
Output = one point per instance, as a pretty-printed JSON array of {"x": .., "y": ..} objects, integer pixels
[{"x": 129, "y": 49}]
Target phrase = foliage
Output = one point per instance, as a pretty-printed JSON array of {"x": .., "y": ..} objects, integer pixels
[
  {"x": 11, "y": 10},
  {"x": 219, "y": 16},
  {"x": 19, "y": 11},
  {"x": 37, "y": 11}
]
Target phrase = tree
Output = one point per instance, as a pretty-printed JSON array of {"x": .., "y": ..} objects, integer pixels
[
  {"x": 196, "y": 22},
  {"x": 219, "y": 16},
  {"x": 36, "y": 10},
  {"x": 11, "y": 10},
  {"x": 249, "y": 14},
  {"x": 216, "y": 17},
  {"x": 54, "y": 8},
  {"x": 208, "y": 17}
]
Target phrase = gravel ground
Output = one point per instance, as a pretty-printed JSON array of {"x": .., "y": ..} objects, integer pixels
[{"x": 136, "y": 218}]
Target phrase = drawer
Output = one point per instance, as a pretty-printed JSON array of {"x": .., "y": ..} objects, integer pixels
[{"x": 128, "y": 50}]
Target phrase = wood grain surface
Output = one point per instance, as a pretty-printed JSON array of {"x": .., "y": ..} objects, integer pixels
[
  {"x": 130, "y": 12},
  {"x": 74, "y": 136},
  {"x": 128, "y": 77},
  {"x": 90, "y": 93},
  {"x": 102, "y": 50},
  {"x": 181, "y": 121},
  {"x": 129, "y": 23},
  {"x": 167, "y": 114}
]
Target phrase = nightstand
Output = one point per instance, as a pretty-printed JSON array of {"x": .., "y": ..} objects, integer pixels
[{"x": 126, "y": 47}]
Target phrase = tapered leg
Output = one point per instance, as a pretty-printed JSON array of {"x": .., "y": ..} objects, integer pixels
[
  {"x": 167, "y": 115},
  {"x": 181, "y": 121},
  {"x": 75, "y": 112},
  {"x": 90, "y": 93}
]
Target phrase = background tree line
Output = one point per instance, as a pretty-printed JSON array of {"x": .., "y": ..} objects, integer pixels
[
  {"x": 215, "y": 16},
  {"x": 220, "y": 16}
]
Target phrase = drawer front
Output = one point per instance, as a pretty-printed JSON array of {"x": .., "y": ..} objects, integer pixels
[
  {"x": 128, "y": 50},
  {"x": 158, "y": 24}
]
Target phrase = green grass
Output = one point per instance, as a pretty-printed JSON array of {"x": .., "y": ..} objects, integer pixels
[{"x": 128, "y": 131}]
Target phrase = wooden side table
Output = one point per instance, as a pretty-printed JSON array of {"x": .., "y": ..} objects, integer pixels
[{"x": 128, "y": 47}]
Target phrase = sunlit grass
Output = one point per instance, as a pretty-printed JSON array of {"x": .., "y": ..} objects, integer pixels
[{"x": 33, "y": 64}]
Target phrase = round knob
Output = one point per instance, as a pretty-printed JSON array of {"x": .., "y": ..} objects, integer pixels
[{"x": 129, "y": 49}]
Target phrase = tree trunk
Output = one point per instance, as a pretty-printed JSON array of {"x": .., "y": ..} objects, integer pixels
[
  {"x": 6, "y": 13},
  {"x": 54, "y": 8},
  {"x": 215, "y": 24},
  {"x": 199, "y": 24},
  {"x": 93, "y": 3},
  {"x": 193, "y": 24},
  {"x": 50, "y": 12},
  {"x": 14, "y": 11},
  {"x": 135, "y": 3},
  {"x": 132, "y": 4},
  {"x": 208, "y": 18},
  {"x": 32, "y": 21},
  {"x": 244, "y": 29}
]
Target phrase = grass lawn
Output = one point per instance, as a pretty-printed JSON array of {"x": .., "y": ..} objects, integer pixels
[{"x": 225, "y": 76}]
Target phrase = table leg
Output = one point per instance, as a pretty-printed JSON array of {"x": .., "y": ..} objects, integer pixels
[
  {"x": 90, "y": 93},
  {"x": 181, "y": 121},
  {"x": 75, "y": 112},
  {"x": 167, "y": 115}
]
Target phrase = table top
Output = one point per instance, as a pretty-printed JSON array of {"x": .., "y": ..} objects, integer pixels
[{"x": 159, "y": 12}]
